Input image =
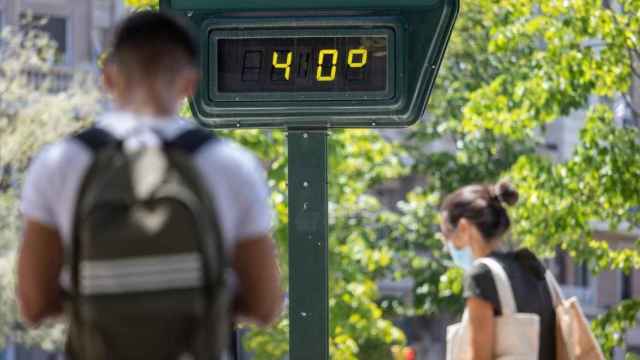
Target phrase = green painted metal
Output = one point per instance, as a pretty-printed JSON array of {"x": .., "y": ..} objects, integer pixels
[
  {"x": 308, "y": 246},
  {"x": 420, "y": 30}
]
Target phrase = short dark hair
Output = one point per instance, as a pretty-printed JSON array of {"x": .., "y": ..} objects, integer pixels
[
  {"x": 153, "y": 42},
  {"x": 483, "y": 206}
]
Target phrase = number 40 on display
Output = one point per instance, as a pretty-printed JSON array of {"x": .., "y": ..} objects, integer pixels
[{"x": 327, "y": 62}]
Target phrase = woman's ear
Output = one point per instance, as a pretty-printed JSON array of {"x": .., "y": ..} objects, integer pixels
[
  {"x": 461, "y": 238},
  {"x": 470, "y": 233},
  {"x": 458, "y": 237}
]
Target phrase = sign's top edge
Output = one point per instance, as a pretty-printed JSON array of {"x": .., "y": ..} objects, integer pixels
[{"x": 257, "y": 5}]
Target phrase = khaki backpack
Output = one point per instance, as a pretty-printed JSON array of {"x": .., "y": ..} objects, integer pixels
[{"x": 147, "y": 263}]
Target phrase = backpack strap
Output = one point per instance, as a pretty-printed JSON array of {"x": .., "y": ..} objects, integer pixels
[
  {"x": 554, "y": 288},
  {"x": 192, "y": 140},
  {"x": 503, "y": 285},
  {"x": 189, "y": 141},
  {"x": 95, "y": 138}
]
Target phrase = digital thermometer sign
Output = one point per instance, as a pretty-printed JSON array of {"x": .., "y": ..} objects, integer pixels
[
  {"x": 316, "y": 63},
  {"x": 303, "y": 64}
]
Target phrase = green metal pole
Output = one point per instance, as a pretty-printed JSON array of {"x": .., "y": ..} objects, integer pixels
[{"x": 308, "y": 246}]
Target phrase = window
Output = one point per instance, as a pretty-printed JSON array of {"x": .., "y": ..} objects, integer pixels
[
  {"x": 55, "y": 26},
  {"x": 625, "y": 115},
  {"x": 626, "y": 292},
  {"x": 101, "y": 41},
  {"x": 582, "y": 275},
  {"x": 559, "y": 266}
]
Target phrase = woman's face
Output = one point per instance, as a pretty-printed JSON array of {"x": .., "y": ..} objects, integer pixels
[
  {"x": 458, "y": 244},
  {"x": 456, "y": 236}
]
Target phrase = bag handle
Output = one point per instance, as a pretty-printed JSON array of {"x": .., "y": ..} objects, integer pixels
[
  {"x": 503, "y": 285},
  {"x": 554, "y": 288}
]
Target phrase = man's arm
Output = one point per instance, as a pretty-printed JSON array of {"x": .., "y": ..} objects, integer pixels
[
  {"x": 259, "y": 297},
  {"x": 39, "y": 266}
]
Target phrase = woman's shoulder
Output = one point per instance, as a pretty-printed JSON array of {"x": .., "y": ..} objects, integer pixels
[
  {"x": 481, "y": 269},
  {"x": 521, "y": 258},
  {"x": 478, "y": 269},
  {"x": 478, "y": 279},
  {"x": 479, "y": 283},
  {"x": 480, "y": 274}
]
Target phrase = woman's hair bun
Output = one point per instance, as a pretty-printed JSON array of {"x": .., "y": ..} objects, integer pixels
[{"x": 506, "y": 193}]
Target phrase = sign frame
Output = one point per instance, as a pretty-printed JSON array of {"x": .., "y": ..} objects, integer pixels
[
  {"x": 308, "y": 122},
  {"x": 286, "y": 114},
  {"x": 421, "y": 32}
]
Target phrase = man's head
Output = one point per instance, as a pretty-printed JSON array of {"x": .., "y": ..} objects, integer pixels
[{"x": 153, "y": 63}]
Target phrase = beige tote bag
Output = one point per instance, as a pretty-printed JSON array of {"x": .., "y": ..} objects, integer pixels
[
  {"x": 517, "y": 336},
  {"x": 574, "y": 339}
]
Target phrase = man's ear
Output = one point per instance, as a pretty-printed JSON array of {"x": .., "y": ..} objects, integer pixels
[
  {"x": 110, "y": 77},
  {"x": 188, "y": 83}
]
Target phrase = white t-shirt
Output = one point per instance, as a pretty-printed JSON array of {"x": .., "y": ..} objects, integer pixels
[{"x": 234, "y": 176}]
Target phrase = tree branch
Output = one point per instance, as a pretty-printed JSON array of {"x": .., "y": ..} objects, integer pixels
[{"x": 634, "y": 111}]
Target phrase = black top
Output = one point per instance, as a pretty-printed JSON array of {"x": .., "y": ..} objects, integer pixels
[{"x": 532, "y": 295}]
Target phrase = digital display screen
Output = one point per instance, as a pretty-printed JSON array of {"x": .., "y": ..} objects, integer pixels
[{"x": 331, "y": 64}]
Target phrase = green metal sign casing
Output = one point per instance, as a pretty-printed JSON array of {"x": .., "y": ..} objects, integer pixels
[
  {"x": 417, "y": 33},
  {"x": 407, "y": 38}
]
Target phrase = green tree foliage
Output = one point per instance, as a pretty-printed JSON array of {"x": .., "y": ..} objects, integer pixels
[
  {"x": 142, "y": 4},
  {"x": 449, "y": 157},
  {"x": 38, "y": 104},
  {"x": 358, "y": 327},
  {"x": 513, "y": 67},
  {"x": 560, "y": 56},
  {"x": 611, "y": 327},
  {"x": 596, "y": 184},
  {"x": 559, "y": 53}
]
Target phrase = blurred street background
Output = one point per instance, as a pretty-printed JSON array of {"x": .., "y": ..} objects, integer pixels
[{"x": 545, "y": 93}]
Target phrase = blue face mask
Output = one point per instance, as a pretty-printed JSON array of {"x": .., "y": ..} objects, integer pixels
[{"x": 463, "y": 258}]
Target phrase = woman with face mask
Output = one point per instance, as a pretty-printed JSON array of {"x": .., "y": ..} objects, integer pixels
[{"x": 474, "y": 222}]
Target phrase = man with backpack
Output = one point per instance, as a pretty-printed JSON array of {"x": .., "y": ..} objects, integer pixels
[{"x": 148, "y": 234}]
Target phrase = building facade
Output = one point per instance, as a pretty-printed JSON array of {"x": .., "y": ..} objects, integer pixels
[
  {"x": 599, "y": 293},
  {"x": 81, "y": 28}
]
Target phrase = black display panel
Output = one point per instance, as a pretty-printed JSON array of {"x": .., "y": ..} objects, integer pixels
[{"x": 331, "y": 64}]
